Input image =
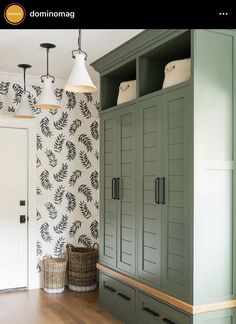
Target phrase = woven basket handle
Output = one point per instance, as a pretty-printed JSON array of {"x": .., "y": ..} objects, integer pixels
[
  {"x": 69, "y": 247},
  {"x": 95, "y": 246}
]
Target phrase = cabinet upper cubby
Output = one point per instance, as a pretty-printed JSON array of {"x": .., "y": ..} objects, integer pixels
[
  {"x": 152, "y": 63},
  {"x": 111, "y": 81}
]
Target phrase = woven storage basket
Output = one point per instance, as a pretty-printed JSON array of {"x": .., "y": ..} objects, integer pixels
[
  {"x": 82, "y": 268},
  {"x": 54, "y": 275},
  {"x": 176, "y": 72}
]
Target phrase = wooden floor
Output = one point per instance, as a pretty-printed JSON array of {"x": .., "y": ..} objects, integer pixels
[{"x": 38, "y": 307}]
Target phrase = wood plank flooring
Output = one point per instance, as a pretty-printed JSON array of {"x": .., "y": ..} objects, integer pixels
[{"x": 38, "y": 307}]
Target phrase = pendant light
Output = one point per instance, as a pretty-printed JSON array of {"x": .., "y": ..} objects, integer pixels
[
  {"x": 24, "y": 110},
  {"x": 79, "y": 79},
  {"x": 47, "y": 99}
]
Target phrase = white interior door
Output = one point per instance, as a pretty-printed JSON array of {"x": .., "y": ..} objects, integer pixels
[{"x": 13, "y": 208}]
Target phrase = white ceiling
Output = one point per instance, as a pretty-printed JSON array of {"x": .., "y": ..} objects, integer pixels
[{"x": 22, "y": 46}]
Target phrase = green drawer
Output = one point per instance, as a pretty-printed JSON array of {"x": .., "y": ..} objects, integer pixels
[
  {"x": 151, "y": 311},
  {"x": 117, "y": 298}
]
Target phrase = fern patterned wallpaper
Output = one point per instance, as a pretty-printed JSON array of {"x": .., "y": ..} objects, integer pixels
[{"x": 67, "y": 168}]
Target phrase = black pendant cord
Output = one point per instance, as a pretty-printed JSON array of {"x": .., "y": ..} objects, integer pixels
[
  {"x": 24, "y": 67},
  {"x": 48, "y": 46},
  {"x": 79, "y": 50},
  {"x": 25, "y": 91}
]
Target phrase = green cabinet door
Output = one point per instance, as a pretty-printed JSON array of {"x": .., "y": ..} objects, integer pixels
[
  {"x": 126, "y": 124},
  {"x": 176, "y": 212},
  {"x": 149, "y": 173},
  {"x": 108, "y": 171}
]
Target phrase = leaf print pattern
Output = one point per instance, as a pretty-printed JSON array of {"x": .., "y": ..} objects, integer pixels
[
  {"x": 18, "y": 91},
  {"x": 44, "y": 177},
  {"x": 59, "y": 93},
  {"x": 94, "y": 130},
  {"x": 71, "y": 202},
  {"x": 94, "y": 179},
  {"x": 88, "y": 96},
  {"x": 94, "y": 229},
  {"x": 58, "y": 145},
  {"x": 44, "y": 124},
  {"x": 74, "y": 126},
  {"x": 84, "y": 210},
  {"x": 71, "y": 151},
  {"x": 62, "y": 122},
  {"x": 71, "y": 103},
  {"x": 52, "y": 160},
  {"x": 74, "y": 227},
  {"x": 39, "y": 142},
  {"x": 45, "y": 235},
  {"x": 62, "y": 225},
  {"x": 4, "y": 87},
  {"x": 52, "y": 212},
  {"x": 74, "y": 177},
  {"x": 67, "y": 168},
  {"x": 58, "y": 196},
  {"x": 58, "y": 249},
  {"x": 39, "y": 249},
  {"x": 84, "y": 160},
  {"x": 62, "y": 173},
  {"x": 85, "y": 241},
  {"x": 83, "y": 138},
  {"x": 38, "y": 215},
  {"x": 37, "y": 90},
  {"x": 86, "y": 191},
  {"x": 84, "y": 109}
]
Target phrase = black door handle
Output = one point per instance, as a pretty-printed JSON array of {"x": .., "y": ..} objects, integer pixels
[
  {"x": 117, "y": 188},
  {"x": 150, "y": 311},
  {"x": 163, "y": 201},
  {"x": 157, "y": 190},
  {"x": 166, "y": 320},
  {"x": 109, "y": 288},
  {"x": 22, "y": 219},
  {"x": 123, "y": 296},
  {"x": 113, "y": 188}
]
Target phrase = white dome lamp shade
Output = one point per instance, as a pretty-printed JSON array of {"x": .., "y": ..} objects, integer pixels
[
  {"x": 47, "y": 98},
  {"x": 79, "y": 79},
  {"x": 24, "y": 110}
]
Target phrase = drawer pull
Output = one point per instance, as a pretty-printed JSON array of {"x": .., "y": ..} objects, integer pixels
[
  {"x": 113, "y": 188},
  {"x": 148, "y": 310},
  {"x": 157, "y": 191},
  {"x": 166, "y": 320},
  {"x": 123, "y": 296},
  {"x": 109, "y": 288}
]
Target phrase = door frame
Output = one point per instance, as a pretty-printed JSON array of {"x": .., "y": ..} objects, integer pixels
[{"x": 8, "y": 121}]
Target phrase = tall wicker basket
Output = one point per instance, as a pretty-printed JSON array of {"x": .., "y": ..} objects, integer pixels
[
  {"x": 54, "y": 275},
  {"x": 82, "y": 268}
]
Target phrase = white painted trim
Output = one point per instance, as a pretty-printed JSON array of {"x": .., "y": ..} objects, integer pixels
[{"x": 7, "y": 120}]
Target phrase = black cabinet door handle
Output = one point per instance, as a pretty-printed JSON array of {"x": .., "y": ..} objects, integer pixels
[
  {"x": 150, "y": 311},
  {"x": 166, "y": 320},
  {"x": 163, "y": 201},
  {"x": 157, "y": 191},
  {"x": 109, "y": 288},
  {"x": 117, "y": 188},
  {"x": 123, "y": 296},
  {"x": 113, "y": 188}
]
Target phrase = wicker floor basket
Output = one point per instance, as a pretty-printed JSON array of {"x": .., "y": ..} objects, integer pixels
[
  {"x": 82, "y": 268},
  {"x": 54, "y": 275}
]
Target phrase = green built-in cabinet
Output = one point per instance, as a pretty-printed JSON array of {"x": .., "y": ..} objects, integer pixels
[
  {"x": 163, "y": 142},
  {"x": 167, "y": 174},
  {"x": 117, "y": 196}
]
